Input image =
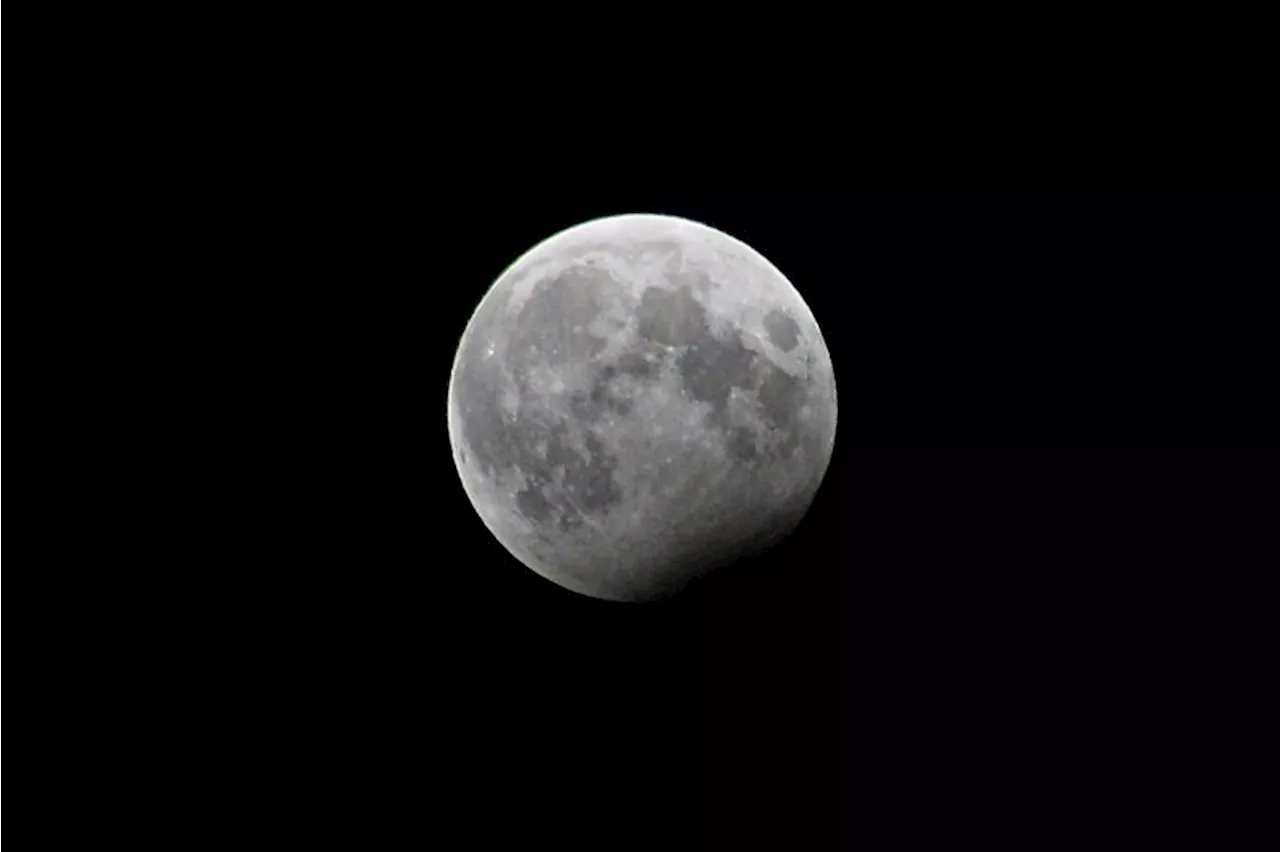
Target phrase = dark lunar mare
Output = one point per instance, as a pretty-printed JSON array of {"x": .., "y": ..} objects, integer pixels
[
  {"x": 710, "y": 367},
  {"x": 671, "y": 317},
  {"x": 782, "y": 330}
]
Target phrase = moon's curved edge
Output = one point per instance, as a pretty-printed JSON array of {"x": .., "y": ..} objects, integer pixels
[{"x": 568, "y": 234}]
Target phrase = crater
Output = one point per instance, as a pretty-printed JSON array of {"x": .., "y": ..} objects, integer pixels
[
  {"x": 534, "y": 505},
  {"x": 580, "y": 482},
  {"x": 561, "y": 477},
  {"x": 590, "y": 481},
  {"x": 710, "y": 368},
  {"x": 640, "y": 363},
  {"x": 602, "y": 396},
  {"x": 782, "y": 330},
  {"x": 612, "y": 387},
  {"x": 781, "y": 397}
]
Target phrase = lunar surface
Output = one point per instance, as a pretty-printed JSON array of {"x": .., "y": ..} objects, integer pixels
[{"x": 637, "y": 400}]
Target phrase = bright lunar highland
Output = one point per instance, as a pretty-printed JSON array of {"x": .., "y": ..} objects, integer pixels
[{"x": 639, "y": 399}]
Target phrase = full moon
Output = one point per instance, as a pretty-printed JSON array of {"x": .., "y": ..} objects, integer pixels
[{"x": 637, "y": 400}]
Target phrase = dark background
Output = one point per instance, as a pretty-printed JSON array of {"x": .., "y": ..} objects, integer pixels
[{"x": 1026, "y": 595}]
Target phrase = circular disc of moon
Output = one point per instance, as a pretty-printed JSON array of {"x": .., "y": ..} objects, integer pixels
[{"x": 637, "y": 400}]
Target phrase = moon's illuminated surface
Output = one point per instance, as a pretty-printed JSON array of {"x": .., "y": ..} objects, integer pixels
[{"x": 639, "y": 399}]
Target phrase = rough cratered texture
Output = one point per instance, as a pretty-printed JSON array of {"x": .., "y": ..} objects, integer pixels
[{"x": 637, "y": 400}]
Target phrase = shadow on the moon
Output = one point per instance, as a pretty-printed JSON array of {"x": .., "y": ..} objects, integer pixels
[{"x": 755, "y": 573}]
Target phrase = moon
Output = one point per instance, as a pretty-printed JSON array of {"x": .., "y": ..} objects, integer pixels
[{"x": 637, "y": 400}]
